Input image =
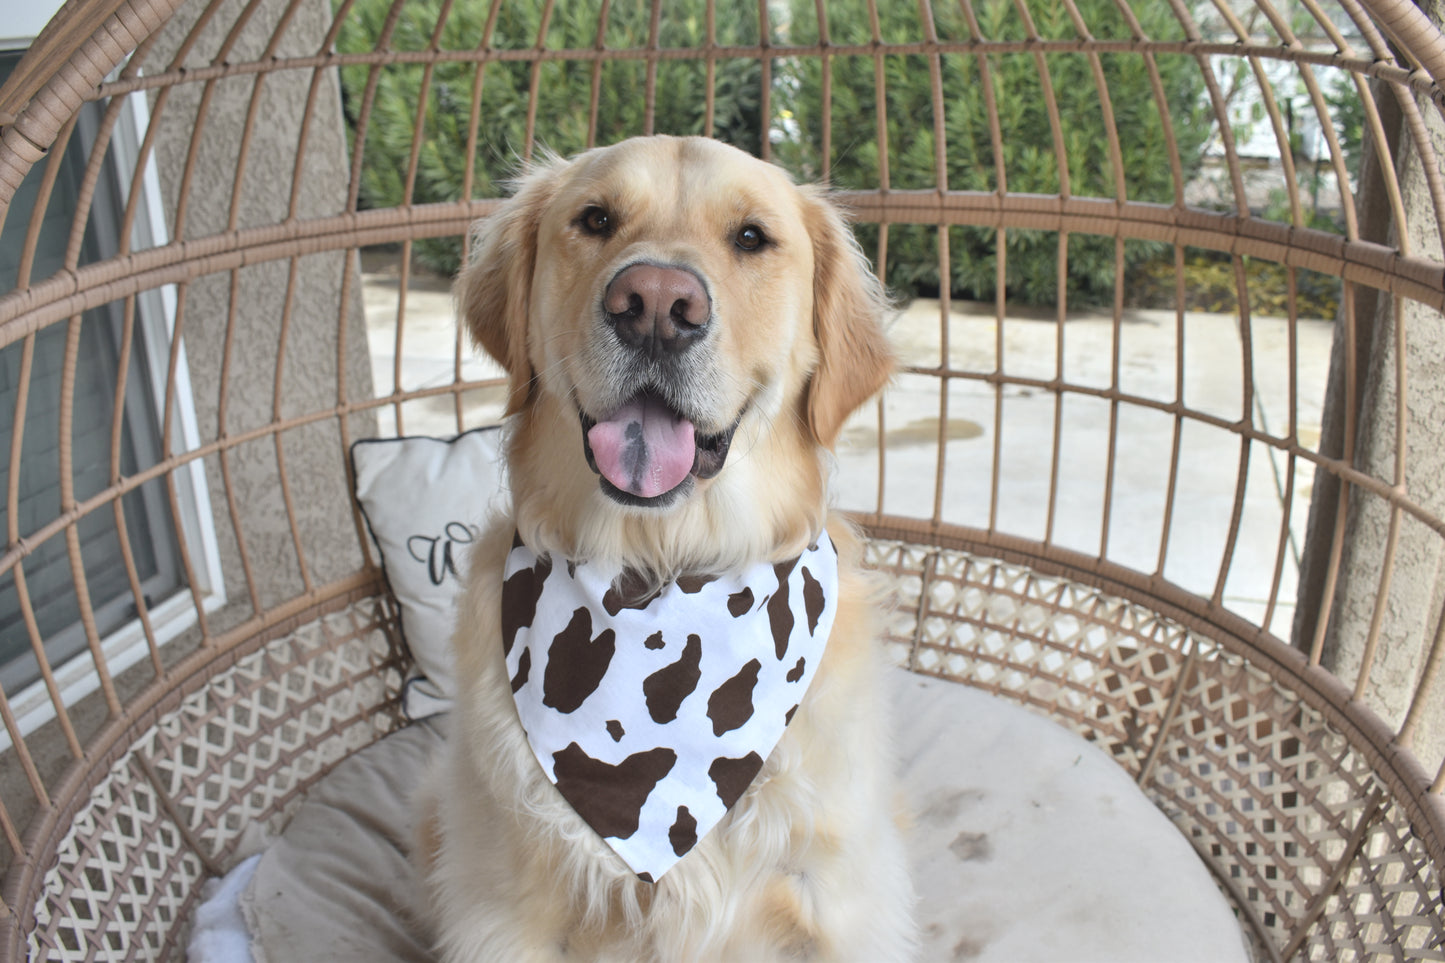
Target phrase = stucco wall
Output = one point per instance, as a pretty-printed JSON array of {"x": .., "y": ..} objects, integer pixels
[
  {"x": 1411, "y": 610},
  {"x": 242, "y": 314}
]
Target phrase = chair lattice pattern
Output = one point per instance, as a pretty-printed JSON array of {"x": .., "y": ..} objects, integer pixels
[
  {"x": 1270, "y": 793},
  {"x": 124, "y": 879},
  {"x": 1264, "y": 786},
  {"x": 1391, "y": 902},
  {"x": 238, "y": 752},
  {"x": 244, "y": 748},
  {"x": 1101, "y": 664}
]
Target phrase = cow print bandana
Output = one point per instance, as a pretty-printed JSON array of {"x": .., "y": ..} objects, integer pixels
[{"x": 653, "y": 714}]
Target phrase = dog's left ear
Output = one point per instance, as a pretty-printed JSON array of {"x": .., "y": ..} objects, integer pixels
[
  {"x": 849, "y": 305},
  {"x": 493, "y": 290}
]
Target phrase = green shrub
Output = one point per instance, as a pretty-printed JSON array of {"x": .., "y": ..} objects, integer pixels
[
  {"x": 1029, "y": 160},
  {"x": 1210, "y": 284},
  {"x": 564, "y": 96}
]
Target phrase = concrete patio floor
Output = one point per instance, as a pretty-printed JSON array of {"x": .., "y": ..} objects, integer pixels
[{"x": 1026, "y": 419}]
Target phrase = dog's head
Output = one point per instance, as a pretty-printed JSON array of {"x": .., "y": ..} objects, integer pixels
[{"x": 683, "y": 329}]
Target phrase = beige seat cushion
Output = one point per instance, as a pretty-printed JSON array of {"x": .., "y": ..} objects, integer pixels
[{"x": 1028, "y": 844}]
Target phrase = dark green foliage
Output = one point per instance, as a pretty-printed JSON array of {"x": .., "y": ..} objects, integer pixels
[
  {"x": 1211, "y": 284},
  {"x": 1347, "y": 115},
  {"x": 1029, "y": 158},
  {"x": 564, "y": 98}
]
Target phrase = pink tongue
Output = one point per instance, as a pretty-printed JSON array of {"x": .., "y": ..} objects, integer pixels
[{"x": 643, "y": 448}]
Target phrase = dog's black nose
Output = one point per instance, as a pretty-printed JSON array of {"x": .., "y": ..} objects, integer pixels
[{"x": 657, "y": 309}]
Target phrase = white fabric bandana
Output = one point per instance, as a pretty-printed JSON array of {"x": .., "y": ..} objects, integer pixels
[{"x": 652, "y": 715}]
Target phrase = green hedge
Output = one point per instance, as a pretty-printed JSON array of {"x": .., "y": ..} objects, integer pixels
[
  {"x": 563, "y": 104},
  {"x": 1028, "y": 158}
]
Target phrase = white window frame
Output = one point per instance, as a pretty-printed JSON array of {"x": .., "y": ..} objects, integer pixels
[{"x": 77, "y": 677}]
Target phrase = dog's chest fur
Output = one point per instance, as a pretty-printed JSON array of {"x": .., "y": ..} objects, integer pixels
[{"x": 797, "y": 869}]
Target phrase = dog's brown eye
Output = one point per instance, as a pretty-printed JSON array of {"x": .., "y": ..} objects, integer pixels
[
  {"x": 750, "y": 237},
  {"x": 596, "y": 220}
]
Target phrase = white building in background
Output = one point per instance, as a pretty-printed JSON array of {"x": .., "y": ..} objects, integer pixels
[{"x": 1248, "y": 84}]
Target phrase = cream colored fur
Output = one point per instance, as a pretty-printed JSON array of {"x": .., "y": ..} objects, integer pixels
[{"x": 808, "y": 865}]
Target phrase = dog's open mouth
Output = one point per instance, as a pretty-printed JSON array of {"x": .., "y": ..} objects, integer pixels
[{"x": 646, "y": 453}]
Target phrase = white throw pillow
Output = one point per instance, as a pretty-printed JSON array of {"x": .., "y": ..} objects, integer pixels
[{"x": 425, "y": 501}]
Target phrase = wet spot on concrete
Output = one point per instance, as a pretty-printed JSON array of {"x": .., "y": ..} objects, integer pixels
[
  {"x": 943, "y": 808},
  {"x": 920, "y": 431},
  {"x": 970, "y": 847},
  {"x": 968, "y": 949}
]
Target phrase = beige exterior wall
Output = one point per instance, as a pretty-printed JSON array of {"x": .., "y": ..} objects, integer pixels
[
  {"x": 244, "y": 313},
  {"x": 1411, "y": 610}
]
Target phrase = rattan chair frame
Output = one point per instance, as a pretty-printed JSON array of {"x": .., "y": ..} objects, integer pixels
[{"x": 1323, "y": 822}]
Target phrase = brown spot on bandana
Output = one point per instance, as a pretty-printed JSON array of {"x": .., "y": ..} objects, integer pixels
[
  {"x": 733, "y": 776},
  {"x": 576, "y": 663},
  {"x": 609, "y": 797},
  {"x": 667, "y": 687},
  {"x": 683, "y": 834},
  {"x": 633, "y": 590},
  {"x": 740, "y": 603},
  {"x": 779, "y": 613},
  {"x": 731, "y": 705},
  {"x": 524, "y": 669},
  {"x": 520, "y": 593},
  {"x": 813, "y": 599},
  {"x": 693, "y": 584}
]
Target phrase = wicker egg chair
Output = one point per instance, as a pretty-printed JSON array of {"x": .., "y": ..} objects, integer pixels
[{"x": 195, "y": 189}]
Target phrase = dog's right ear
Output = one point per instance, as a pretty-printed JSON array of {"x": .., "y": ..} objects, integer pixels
[
  {"x": 849, "y": 305},
  {"x": 493, "y": 290}
]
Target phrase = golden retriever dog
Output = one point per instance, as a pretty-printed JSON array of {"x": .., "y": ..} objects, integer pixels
[{"x": 684, "y": 332}]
